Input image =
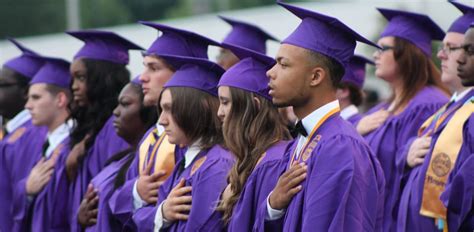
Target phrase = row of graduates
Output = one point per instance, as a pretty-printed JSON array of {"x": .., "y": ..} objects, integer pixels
[{"x": 218, "y": 155}]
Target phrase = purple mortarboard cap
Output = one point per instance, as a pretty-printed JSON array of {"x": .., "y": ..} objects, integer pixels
[
  {"x": 54, "y": 72},
  {"x": 27, "y": 64},
  {"x": 136, "y": 80},
  {"x": 249, "y": 73},
  {"x": 178, "y": 42},
  {"x": 196, "y": 73},
  {"x": 417, "y": 28},
  {"x": 104, "y": 45},
  {"x": 355, "y": 70},
  {"x": 323, "y": 34},
  {"x": 247, "y": 35},
  {"x": 461, "y": 24}
]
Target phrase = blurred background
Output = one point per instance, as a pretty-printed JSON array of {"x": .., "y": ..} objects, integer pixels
[{"x": 40, "y": 24}]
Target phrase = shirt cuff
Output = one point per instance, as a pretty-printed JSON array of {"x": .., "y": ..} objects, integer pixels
[
  {"x": 273, "y": 214},
  {"x": 160, "y": 221},
  {"x": 137, "y": 200}
]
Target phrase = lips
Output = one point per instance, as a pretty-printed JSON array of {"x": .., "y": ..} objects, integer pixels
[{"x": 116, "y": 124}]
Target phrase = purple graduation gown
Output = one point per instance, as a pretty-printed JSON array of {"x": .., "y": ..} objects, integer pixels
[
  {"x": 11, "y": 166},
  {"x": 343, "y": 190},
  {"x": 48, "y": 210},
  {"x": 121, "y": 202},
  {"x": 107, "y": 143},
  {"x": 208, "y": 182},
  {"x": 259, "y": 184},
  {"x": 354, "y": 119},
  {"x": 458, "y": 196},
  {"x": 388, "y": 140},
  {"x": 104, "y": 182},
  {"x": 409, "y": 217}
]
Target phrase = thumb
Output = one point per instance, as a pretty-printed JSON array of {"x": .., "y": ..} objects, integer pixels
[{"x": 181, "y": 183}]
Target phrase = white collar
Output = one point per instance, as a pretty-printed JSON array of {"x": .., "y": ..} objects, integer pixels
[
  {"x": 18, "y": 120},
  {"x": 456, "y": 97},
  {"x": 58, "y": 135},
  {"x": 311, "y": 120},
  {"x": 349, "y": 112},
  {"x": 191, "y": 153}
]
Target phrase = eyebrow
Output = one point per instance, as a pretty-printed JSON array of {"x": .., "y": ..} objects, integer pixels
[{"x": 224, "y": 98}]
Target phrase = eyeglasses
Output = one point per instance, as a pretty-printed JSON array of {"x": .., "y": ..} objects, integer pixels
[
  {"x": 468, "y": 49},
  {"x": 384, "y": 49},
  {"x": 448, "y": 49},
  {"x": 6, "y": 85}
]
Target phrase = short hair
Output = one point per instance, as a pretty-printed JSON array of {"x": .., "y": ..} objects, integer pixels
[
  {"x": 334, "y": 68},
  {"x": 54, "y": 90},
  {"x": 356, "y": 96},
  {"x": 200, "y": 120}
]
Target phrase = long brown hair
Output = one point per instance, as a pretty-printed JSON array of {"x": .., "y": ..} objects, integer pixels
[
  {"x": 249, "y": 130},
  {"x": 195, "y": 112},
  {"x": 417, "y": 71}
]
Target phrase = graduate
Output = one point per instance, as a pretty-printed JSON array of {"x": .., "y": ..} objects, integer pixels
[
  {"x": 349, "y": 92},
  {"x": 15, "y": 76},
  {"x": 99, "y": 73},
  {"x": 156, "y": 157},
  {"x": 417, "y": 92},
  {"x": 245, "y": 35},
  {"x": 442, "y": 137},
  {"x": 333, "y": 182},
  {"x": 132, "y": 119},
  {"x": 40, "y": 198},
  {"x": 461, "y": 213},
  {"x": 188, "y": 199},
  {"x": 253, "y": 132}
]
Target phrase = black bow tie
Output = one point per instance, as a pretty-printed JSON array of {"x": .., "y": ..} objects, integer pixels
[{"x": 299, "y": 128}]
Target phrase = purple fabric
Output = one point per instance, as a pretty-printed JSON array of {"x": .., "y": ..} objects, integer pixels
[
  {"x": 178, "y": 42},
  {"x": 48, "y": 210},
  {"x": 461, "y": 24},
  {"x": 247, "y": 35},
  {"x": 417, "y": 28},
  {"x": 388, "y": 140},
  {"x": 8, "y": 151},
  {"x": 27, "y": 63},
  {"x": 323, "y": 34},
  {"x": 106, "y": 144},
  {"x": 121, "y": 202},
  {"x": 249, "y": 73},
  {"x": 409, "y": 216},
  {"x": 54, "y": 72},
  {"x": 343, "y": 190},
  {"x": 208, "y": 182},
  {"x": 355, "y": 71},
  {"x": 104, "y": 45},
  {"x": 458, "y": 196},
  {"x": 259, "y": 184},
  {"x": 354, "y": 119},
  {"x": 194, "y": 73},
  {"x": 104, "y": 182}
]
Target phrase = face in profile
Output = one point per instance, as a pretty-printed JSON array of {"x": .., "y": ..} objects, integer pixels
[
  {"x": 10, "y": 93},
  {"x": 42, "y": 104},
  {"x": 448, "y": 55},
  {"x": 466, "y": 60},
  {"x": 385, "y": 65},
  {"x": 289, "y": 77},
  {"x": 153, "y": 78},
  {"x": 175, "y": 134},
  {"x": 127, "y": 120},
  {"x": 79, "y": 82},
  {"x": 225, "y": 104}
]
